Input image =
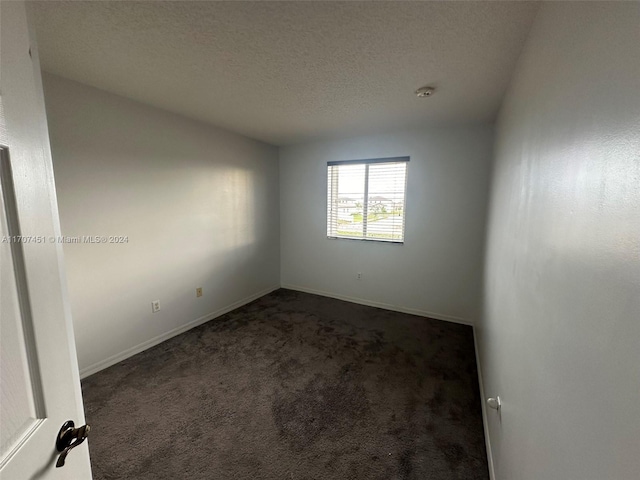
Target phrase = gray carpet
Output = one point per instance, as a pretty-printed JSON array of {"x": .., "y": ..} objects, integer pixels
[{"x": 293, "y": 386}]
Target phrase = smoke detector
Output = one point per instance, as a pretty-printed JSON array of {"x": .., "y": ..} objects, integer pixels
[{"x": 425, "y": 91}]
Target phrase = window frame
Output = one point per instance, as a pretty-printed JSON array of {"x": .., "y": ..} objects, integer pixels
[{"x": 365, "y": 207}]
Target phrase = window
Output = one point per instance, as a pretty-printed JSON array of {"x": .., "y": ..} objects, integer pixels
[{"x": 366, "y": 199}]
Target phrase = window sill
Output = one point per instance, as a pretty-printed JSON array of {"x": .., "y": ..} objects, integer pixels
[{"x": 359, "y": 239}]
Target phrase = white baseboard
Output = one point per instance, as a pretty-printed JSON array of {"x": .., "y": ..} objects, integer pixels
[
  {"x": 386, "y": 306},
  {"x": 483, "y": 402},
  {"x": 112, "y": 360}
]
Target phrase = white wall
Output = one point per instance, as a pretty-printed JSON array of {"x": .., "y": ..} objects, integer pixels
[
  {"x": 560, "y": 339},
  {"x": 199, "y": 205},
  {"x": 437, "y": 271}
]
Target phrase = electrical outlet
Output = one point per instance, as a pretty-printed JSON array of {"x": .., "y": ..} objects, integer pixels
[
  {"x": 155, "y": 306},
  {"x": 359, "y": 275},
  {"x": 199, "y": 292}
]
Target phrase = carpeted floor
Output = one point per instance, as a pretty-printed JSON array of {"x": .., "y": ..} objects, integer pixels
[{"x": 293, "y": 386}]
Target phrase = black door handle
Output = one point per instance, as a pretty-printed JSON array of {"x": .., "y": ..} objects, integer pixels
[{"x": 68, "y": 438}]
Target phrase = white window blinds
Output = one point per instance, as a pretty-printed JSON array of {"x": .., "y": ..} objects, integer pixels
[{"x": 366, "y": 199}]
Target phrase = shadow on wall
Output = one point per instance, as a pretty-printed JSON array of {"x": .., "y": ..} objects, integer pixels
[{"x": 194, "y": 204}]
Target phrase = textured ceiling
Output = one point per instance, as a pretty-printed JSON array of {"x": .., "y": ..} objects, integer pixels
[{"x": 286, "y": 72}]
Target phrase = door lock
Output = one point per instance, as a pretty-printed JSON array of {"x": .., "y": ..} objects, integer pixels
[{"x": 68, "y": 438}]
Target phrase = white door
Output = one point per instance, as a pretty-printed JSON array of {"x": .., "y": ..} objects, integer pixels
[{"x": 38, "y": 367}]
